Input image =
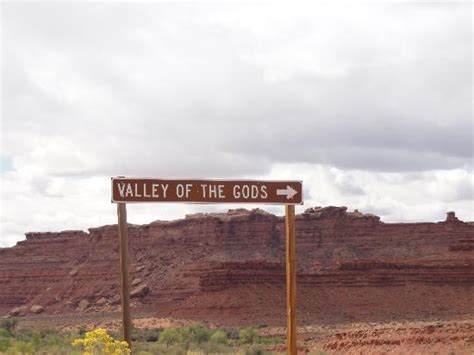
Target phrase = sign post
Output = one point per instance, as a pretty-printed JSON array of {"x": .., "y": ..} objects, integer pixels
[
  {"x": 137, "y": 190},
  {"x": 290, "y": 244},
  {"x": 124, "y": 282}
]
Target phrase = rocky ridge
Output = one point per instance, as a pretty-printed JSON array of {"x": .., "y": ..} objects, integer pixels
[{"x": 229, "y": 267}]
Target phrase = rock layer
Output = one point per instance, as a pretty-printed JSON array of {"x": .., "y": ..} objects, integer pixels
[{"x": 229, "y": 267}]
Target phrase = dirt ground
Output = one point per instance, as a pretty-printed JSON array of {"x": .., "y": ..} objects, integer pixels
[
  {"x": 411, "y": 337},
  {"x": 447, "y": 336}
]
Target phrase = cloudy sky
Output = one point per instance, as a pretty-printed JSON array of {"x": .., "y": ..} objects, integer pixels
[{"x": 370, "y": 105}]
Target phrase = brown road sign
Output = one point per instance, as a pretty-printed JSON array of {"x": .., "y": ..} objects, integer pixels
[{"x": 206, "y": 191}]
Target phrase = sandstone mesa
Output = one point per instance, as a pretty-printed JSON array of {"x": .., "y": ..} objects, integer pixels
[{"x": 229, "y": 268}]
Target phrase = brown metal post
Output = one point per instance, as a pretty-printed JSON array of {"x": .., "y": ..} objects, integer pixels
[
  {"x": 125, "y": 285},
  {"x": 290, "y": 280}
]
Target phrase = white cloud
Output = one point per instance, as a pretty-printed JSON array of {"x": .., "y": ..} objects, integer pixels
[
  {"x": 395, "y": 197},
  {"x": 370, "y": 104}
]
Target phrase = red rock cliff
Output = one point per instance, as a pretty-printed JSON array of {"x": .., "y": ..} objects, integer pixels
[{"x": 230, "y": 268}]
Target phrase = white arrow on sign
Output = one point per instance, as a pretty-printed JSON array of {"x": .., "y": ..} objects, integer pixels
[{"x": 289, "y": 192}]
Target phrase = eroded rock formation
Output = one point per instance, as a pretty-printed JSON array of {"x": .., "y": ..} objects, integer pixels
[{"x": 229, "y": 267}]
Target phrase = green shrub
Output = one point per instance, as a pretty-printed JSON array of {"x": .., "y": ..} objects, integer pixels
[
  {"x": 169, "y": 336},
  {"x": 4, "y": 333},
  {"x": 247, "y": 335},
  {"x": 55, "y": 339},
  {"x": 8, "y": 324},
  {"x": 195, "y": 334},
  {"x": 4, "y": 344},
  {"x": 20, "y": 347},
  {"x": 219, "y": 337},
  {"x": 35, "y": 340}
]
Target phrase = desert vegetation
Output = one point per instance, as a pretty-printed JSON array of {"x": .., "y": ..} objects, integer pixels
[{"x": 193, "y": 339}]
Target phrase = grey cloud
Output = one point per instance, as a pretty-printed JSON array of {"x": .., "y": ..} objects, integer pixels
[
  {"x": 347, "y": 185},
  {"x": 176, "y": 88}
]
